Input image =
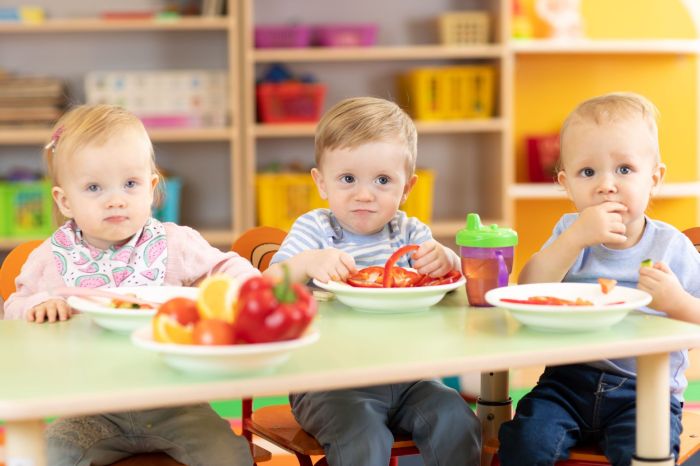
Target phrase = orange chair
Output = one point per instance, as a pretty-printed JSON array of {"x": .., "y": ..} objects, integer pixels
[
  {"x": 593, "y": 456},
  {"x": 9, "y": 270},
  {"x": 277, "y": 424}
]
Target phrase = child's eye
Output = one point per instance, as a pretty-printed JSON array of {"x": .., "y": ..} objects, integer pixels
[
  {"x": 587, "y": 172},
  {"x": 347, "y": 179},
  {"x": 382, "y": 180},
  {"x": 93, "y": 188},
  {"x": 624, "y": 170},
  {"x": 130, "y": 184}
]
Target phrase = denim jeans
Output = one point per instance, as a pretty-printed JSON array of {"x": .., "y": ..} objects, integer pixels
[
  {"x": 356, "y": 426},
  {"x": 577, "y": 404},
  {"x": 193, "y": 435}
]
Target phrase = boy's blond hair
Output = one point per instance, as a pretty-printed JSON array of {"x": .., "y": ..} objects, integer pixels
[
  {"x": 359, "y": 120},
  {"x": 89, "y": 124},
  {"x": 614, "y": 107}
]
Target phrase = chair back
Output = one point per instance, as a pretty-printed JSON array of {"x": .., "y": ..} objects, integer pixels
[
  {"x": 12, "y": 265},
  {"x": 693, "y": 235},
  {"x": 259, "y": 244}
]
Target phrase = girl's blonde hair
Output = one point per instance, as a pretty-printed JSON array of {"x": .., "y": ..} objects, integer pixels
[
  {"x": 614, "y": 107},
  {"x": 84, "y": 125},
  {"x": 359, "y": 120}
]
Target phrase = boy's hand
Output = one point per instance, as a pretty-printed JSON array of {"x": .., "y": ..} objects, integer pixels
[
  {"x": 600, "y": 224},
  {"x": 663, "y": 286},
  {"x": 51, "y": 311},
  {"x": 329, "y": 264},
  {"x": 432, "y": 259}
]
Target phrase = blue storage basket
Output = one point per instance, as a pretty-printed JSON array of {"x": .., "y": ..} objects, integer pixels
[{"x": 169, "y": 208}]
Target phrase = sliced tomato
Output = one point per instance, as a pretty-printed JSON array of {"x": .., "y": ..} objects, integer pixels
[
  {"x": 369, "y": 277},
  {"x": 548, "y": 301},
  {"x": 389, "y": 277}
]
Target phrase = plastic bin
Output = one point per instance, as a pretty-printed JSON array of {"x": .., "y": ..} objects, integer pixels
[
  {"x": 464, "y": 27},
  {"x": 449, "y": 93},
  {"x": 169, "y": 208},
  {"x": 272, "y": 36},
  {"x": 26, "y": 209},
  {"x": 345, "y": 35},
  {"x": 290, "y": 102},
  {"x": 282, "y": 197}
]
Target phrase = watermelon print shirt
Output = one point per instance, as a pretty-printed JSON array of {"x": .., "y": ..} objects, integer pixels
[
  {"x": 190, "y": 260},
  {"x": 139, "y": 262}
]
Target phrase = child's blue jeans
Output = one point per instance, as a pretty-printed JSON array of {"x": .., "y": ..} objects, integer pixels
[
  {"x": 193, "y": 435},
  {"x": 356, "y": 426},
  {"x": 577, "y": 404}
]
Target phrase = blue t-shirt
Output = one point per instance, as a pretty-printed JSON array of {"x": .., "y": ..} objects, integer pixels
[
  {"x": 319, "y": 229},
  {"x": 660, "y": 242}
]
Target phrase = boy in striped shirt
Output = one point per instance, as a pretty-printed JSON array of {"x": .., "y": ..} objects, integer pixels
[{"x": 365, "y": 167}]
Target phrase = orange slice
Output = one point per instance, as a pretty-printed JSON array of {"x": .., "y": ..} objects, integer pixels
[
  {"x": 217, "y": 297},
  {"x": 168, "y": 330}
]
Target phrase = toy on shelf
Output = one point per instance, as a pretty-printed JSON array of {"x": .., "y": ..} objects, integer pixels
[
  {"x": 464, "y": 27},
  {"x": 165, "y": 98},
  {"x": 521, "y": 24},
  {"x": 282, "y": 36},
  {"x": 25, "y": 205},
  {"x": 563, "y": 16},
  {"x": 542, "y": 157},
  {"x": 283, "y": 99},
  {"x": 345, "y": 35}
]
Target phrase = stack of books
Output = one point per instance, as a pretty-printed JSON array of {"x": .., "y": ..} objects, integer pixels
[{"x": 30, "y": 101}]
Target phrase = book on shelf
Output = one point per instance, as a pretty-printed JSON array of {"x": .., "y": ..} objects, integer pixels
[
  {"x": 28, "y": 114},
  {"x": 30, "y": 87}
]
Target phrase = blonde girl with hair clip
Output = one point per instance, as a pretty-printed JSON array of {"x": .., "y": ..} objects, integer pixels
[{"x": 102, "y": 166}]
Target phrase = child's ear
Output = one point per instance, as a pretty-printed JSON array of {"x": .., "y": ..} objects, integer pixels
[
  {"x": 408, "y": 187},
  {"x": 59, "y": 197},
  {"x": 564, "y": 182},
  {"x": 657, "y": 177},
  {"x": 320, "y": 183}
]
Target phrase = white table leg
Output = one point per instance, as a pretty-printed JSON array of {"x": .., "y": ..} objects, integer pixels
[
  {"x": 653, "y": 416},
  {"x": 25, "y": 444},
  {"x": 493, "y": 408}
]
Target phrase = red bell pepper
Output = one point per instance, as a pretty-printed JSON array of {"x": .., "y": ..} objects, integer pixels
[
  {"x": 450, "y": 277},
  {"x": 268, "y": 311},
  {"x": 388, "y": 272},
  {"x": 548, "y": 301}
]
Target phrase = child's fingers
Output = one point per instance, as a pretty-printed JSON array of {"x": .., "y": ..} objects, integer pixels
[
  {"x": 39, "y": 315},
  {"x": 662, "y": 266},
  {"x": 64, "y": 311},
  {"x": 348, "y": 262}
]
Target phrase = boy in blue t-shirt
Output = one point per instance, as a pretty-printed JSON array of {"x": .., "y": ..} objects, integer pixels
[
  {"x": 610, "y": 166},
  {"x": 366, "y": 157}
]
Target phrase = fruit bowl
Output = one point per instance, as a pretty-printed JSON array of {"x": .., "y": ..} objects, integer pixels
[
  {"x": 127, "y": 320},
  {"x": 223, "y": 359}
]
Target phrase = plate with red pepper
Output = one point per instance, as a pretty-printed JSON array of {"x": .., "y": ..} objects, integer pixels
[
  {"x": 391, "y": 289},
  {"x": 568, "y": 307}
]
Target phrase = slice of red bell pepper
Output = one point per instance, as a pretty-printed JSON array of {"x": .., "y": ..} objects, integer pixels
[
  {"x": 267, "y": 311},
  {"x": 450, "y": 277},
  {"x": 369, "y": 277},
  {"x": 388, "y": 276}
]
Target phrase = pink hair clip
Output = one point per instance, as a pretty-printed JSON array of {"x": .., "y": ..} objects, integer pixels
[{"x": 54, "y": 138}]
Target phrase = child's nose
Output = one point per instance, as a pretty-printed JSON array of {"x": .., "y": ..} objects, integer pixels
[
  {"x": 607, "y": 184},
  {"x": 364, "y": 193},
  {"x": 116, "y": 201}
]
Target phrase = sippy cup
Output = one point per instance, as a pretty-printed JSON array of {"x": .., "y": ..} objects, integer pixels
[{"x": 487, "y": 257}]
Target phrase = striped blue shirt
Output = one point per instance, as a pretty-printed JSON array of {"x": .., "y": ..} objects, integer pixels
[{"x": 319, "y": 229}]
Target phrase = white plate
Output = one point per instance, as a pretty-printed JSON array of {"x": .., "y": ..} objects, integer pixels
[
  {"x": 127, "y": 320},
  {"x": 224, "y": 359},
  {"x": 602, "y": 314},
  {"x": 389, "y": 300}
]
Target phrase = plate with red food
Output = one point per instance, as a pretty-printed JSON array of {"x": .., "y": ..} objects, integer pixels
[
  {"x": 569, "y": 307},
  {"x": 231, "y": 328},
  {"x": 390, "y": 289},
  {"x": 124, "y": 315}
]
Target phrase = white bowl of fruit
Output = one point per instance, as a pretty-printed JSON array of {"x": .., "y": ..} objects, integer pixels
[{"x": 231, "y": 329}]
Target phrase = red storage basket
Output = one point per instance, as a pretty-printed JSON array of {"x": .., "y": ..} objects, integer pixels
[
  {"x": 346, "y": 35},
  {"x": 272, "y": 36},
  {"x": 290, "y": 102}
]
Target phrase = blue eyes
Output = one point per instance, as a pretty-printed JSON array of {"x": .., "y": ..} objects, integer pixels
[
  {"x": 589, "y": 172},
  {"x": 130, "y": 184},
  {"x": 93, "y": 188},
  {"x": 383, "y": 179},
  {"x": 347, "y": 179}
]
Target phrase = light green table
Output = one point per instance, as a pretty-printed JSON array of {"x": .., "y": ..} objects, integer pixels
[{"x": 75, "y": 368}]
